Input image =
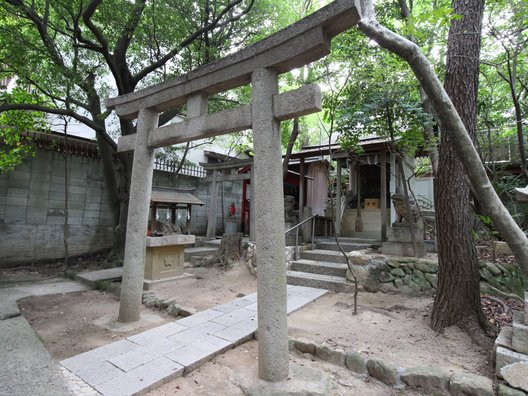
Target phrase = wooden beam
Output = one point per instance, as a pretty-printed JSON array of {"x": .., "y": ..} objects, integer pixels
[
  {"x": 383, "y": 193},
  {"x": 291, "y": 104},
  {"x": 297, "y": 45}
]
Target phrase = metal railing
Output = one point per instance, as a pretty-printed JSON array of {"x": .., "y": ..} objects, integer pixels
[
  {"x": 172, "y": 166},
  {"x": 296, "y": 228}
]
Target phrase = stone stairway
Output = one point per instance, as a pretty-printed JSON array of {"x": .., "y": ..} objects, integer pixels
[
  {"x": 202, "y": 248},
  {"x": 325, "y": 267}
]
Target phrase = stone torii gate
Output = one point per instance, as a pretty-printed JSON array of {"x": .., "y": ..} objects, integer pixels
[{"x": 258, "y": 65}]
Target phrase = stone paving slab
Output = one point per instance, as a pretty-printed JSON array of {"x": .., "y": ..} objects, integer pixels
[
  {"x": 26, "y": 367},
  {"x": 146, "y": 360},
  {"x": 91, "y": 278}
]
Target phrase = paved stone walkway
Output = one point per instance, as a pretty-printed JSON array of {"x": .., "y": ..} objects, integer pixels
[
  {"x": 26, "y": 367},
  {"x": 146, "y": 360}
]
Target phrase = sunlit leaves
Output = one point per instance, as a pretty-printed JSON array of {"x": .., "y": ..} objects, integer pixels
[{"x": 15, "y": 146}]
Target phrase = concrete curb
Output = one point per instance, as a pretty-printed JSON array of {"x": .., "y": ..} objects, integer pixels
[{"x": 425, "y": 379}]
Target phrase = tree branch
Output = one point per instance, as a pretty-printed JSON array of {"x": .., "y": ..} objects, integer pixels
[
  {"x": 188, "y": 40},
  {"x": 63, "y": 112}
]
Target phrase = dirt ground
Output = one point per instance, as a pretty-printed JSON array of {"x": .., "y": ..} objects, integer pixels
[{"x": 392, "y": 328}]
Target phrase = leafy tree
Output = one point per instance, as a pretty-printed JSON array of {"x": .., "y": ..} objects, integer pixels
[
  {"x": 15, "y": 144},
  {"x": 506, "y": 56},
  {"x": 102, "y": 48}
]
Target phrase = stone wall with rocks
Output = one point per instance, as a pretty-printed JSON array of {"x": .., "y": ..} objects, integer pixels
[{"x": 420, "y": 276}]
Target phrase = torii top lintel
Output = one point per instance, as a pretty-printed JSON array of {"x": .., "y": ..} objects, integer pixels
[{"x": 297, "y": 45}]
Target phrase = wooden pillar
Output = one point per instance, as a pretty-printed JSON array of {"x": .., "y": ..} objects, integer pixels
[
  {"x": 383, "y": 192},
  {"x": 137, "y": 221},
  {"x": 268, "y": 189},
  {"x": 189, "y": 216},
  {"x": 338, "y": 200},
  {"x": 173, "y": 214},
  {"x": 211, "y": 220},
  {"x": 153, "y": 212}
]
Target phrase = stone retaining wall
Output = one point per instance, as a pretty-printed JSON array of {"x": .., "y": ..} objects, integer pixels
[{"x": 420, "y": 276}]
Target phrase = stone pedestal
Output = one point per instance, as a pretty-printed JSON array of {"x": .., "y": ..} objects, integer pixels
[
  {"x": 399, "y": 241},
  {"x": 164, "y": 258},
  {"x": 511, "y": 346},
  {"x": 230, "y": 226}
]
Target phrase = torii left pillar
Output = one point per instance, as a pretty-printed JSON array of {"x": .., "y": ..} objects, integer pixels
[{"x": 137, "y": 222}]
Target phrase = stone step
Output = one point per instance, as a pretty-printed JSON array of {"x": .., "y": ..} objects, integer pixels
[
  {"x": 346, "y": 246},
  {"x": 330, "y": 256},
  {"x": 91, "y": 279},
  {"x": 319, "y": 267},
  {"x": 332, "y": 283},
  {"x": 198, "y": 251},
  {"x": 375, "y": 242}
]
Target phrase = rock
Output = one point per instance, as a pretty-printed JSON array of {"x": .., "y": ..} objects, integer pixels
[
  {"x": 383, "y": 372},
  {"x": 503, "y": 390},
  {"x": 414, "y": 287},
  {"x": 426, "y": 379},
  {"x": 505, "y": 357},
  {"x": 334, "y": 356},
  {"x": 398, "y": 283},
  {"x": 504, "y": 340},
  {"x": 304, "y": 346},
  {"x": 520, "y": 334},
  {"x": 357, "y": 258},
  {"x": 516, "y": 375},
  {"x": 151, "y": 303},
  {"x": 486, "y": 274},
  {"x": 466, "y": 384},
  {"x": 388, "y": 288},
  {"x": 493, "y": 269},
  {"x": 386, "y": 277},
  {"x": 186, "y": 311},
  {"x": 398, "y": 272},
  {"x": 432, "y": 279},
  {"x": 419, "y": 278},
  {"x": 428, "y": 266},
  {"x": 393, "y": 263},
  {"x": 172, "y": 310},
  {"x": 355, "y": 362},
  {"x": 165, "y": 303},
  {"x": 407, "y": 270},
  {"x": 407, "y": 278}
]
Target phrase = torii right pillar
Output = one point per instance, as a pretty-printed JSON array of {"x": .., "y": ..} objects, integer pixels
[{"x": 270, "y": 239}]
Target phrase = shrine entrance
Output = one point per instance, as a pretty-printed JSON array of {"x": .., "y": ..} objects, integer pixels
[{"x": 260, "y": 66}]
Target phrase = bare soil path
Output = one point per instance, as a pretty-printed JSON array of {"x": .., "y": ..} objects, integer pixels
[{"x": 392, "y": 328}]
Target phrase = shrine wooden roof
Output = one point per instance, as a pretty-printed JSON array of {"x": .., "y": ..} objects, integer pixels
[{"x": 174, "y": 196}]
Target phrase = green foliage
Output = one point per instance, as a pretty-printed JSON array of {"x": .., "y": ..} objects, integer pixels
[{"x": 15, "y": 145}]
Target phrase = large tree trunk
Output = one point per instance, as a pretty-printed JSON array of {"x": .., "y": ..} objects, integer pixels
[
  {"x": 458, "y": 293},
  {"x": 450, "y": 123}
]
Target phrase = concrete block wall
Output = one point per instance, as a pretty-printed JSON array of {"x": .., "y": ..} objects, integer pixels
[
  {"x": 232, "y": 193},
  {"x": 32, "y": 209}
]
